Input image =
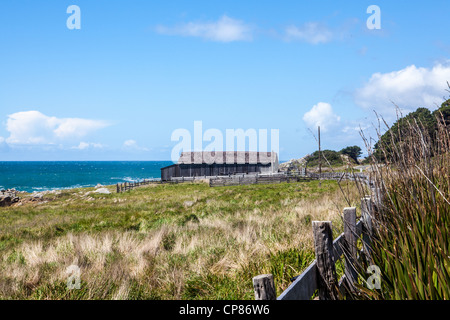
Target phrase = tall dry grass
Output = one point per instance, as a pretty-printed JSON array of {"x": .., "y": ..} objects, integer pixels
[{"x": 213, "y": 256}]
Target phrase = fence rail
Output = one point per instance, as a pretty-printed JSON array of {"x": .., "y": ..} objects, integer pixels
[
  {"x": 245, "y": 179},
  {"x": 256, "y": 179},
  {"x": 339, "y": 175},
  {"x": 321, "y": 273},
  {"x": 126, "y": 186}
]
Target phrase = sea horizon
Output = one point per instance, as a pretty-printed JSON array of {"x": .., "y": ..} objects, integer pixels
[
  {"x": 46, "y": 175},
  {"x": 38, "y": 176}
]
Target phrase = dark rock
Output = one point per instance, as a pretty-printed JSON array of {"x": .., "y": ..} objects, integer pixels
[{"x": 8, "y": 197}]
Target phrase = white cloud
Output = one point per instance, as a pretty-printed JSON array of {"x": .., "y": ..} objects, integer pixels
[
  {"x": 311, "y": 32},
  {"x": 133, "y": 145},
  {"x": 409, "y": 88},
  {"x": 82, "y": 146},
  {"x": 225, "y": 29},
  {"x": 35, "y": 128},
  {"x": 359, "y": 128},
  {"x": 321, "y": 115},
  {"x": 88, "y": 145}
]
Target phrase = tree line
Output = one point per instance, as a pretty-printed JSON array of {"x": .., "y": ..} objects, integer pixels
[{"x": 400, "y": 131}]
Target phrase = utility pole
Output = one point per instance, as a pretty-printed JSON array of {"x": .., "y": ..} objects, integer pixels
[{"x": 320, "y": 162}]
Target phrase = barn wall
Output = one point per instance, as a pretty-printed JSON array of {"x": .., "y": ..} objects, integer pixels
[
  {"x": 196, "y": 170},
  {"x": 168, "y": 172},
  {"x": 191, "y": 170}
]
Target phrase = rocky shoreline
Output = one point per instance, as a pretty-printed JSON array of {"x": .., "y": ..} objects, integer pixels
[{"x": 11, "y": 197}]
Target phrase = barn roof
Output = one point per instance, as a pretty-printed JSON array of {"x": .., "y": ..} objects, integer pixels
[{"x": 228, "y": 157}]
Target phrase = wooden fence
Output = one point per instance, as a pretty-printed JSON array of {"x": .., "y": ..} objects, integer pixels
[
  {"x": 321, "y": 273},
  {"x": 244, "y": 179},
  {"x": 126, "y": 186},
  {"x": 339, "y": 175},
  {"x": 122, "y": 187},
  {"x": 255, "y": 179}
]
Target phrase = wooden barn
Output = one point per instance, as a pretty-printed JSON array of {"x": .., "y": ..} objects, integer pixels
[{"x": 223, "y": 163}]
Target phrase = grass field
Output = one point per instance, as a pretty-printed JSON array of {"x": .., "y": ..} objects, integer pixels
[{"x": 186, "y": 241}]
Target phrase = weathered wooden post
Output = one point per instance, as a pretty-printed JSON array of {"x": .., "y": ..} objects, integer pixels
[
  {"x": 377, "y": 201},
  {"x": 366, "y": 217},
  {"x": 323, "y": 246},
  {"x": 264, "y": 287},
  {"x": 117, "y": 188},
  {"x": 350, "y": 249}
]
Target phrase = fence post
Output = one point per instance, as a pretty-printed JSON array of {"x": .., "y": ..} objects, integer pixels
[
  {"x": 366, "y": 216},
  {"x": 376, "y": 195},
  {"x": 264, "y": 287},
  {"x": 377, "y": 201},
  {"x": 350, "y": 249},
  {"x": 117, "y": 188},
  {"x": 323, "y": 246}
]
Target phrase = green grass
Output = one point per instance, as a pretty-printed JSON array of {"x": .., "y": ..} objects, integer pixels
[{"x": 186, "y": 241}]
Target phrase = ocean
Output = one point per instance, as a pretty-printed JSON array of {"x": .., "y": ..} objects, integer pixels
[{"x": 38, "y": 176}]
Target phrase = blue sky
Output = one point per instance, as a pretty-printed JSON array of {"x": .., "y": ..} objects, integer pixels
[{"x": 136, "y": 71}]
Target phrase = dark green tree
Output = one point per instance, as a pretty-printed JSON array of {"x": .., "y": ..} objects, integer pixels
[
  {"x": 426, "y": 119},
  {"x": 353, "y": 152},
  {"x": 333, "y": 157},
  {"x": 444, "y": 111}
]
